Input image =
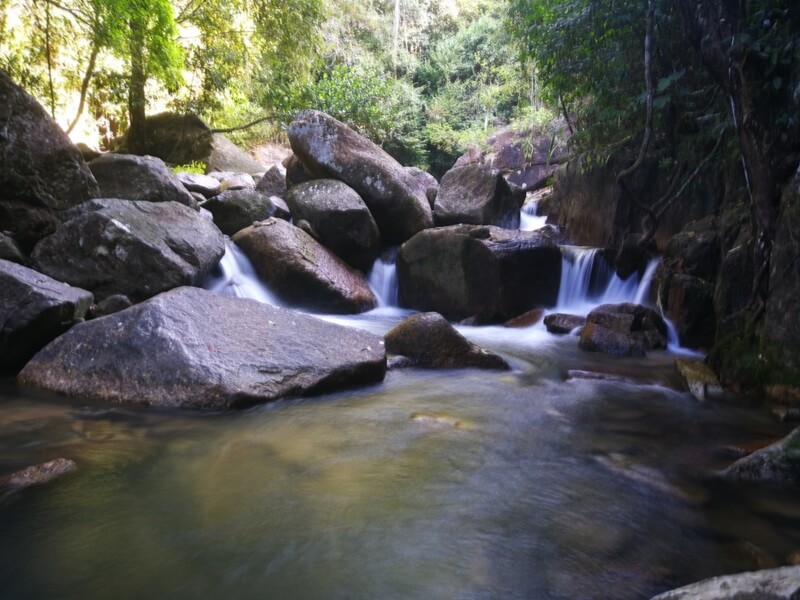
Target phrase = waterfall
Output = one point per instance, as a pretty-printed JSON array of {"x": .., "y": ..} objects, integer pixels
[
  {"x": 382, "y": 278},
  {"x": 588, "y": 280},
  {"x": 235, "y": 276},
  {"x": 529, "y": 218}
]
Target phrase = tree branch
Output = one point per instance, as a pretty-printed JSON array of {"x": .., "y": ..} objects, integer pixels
[
  {"x": 245, "y": 126},
  {"x": 87, "y": 77}
]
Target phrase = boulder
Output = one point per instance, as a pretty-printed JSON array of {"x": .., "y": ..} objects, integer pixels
[
  {"x": 562, "y": 323},
  {"x": 295, "y": 171},
  {"x": 146, "y": 178},
  {"x": 623, "y": 329},
  {"x": 427, "y": 181},
  {"x": 301, "y": 271},
  {"x": 229, "y": 180},
  {"x": 689, "y": 303},
  {"x": 193, "y": 348},
  {"x": 109, "y": 306},
  {"x": 183, "y": 139},
  {"x": 477, "y": 195},
  {"x": 10, "y": 250},
  {"x": 340, "y": 219},
  {"x": 430, "y": 341},
  {"x": 699, "y": 379},
  {"x": 526, "y": 319},
  {"x": 777, "y": 464},
  {"x": 596, "y": 338},
  {"x": 273, "y": 183},
  {"x": 466, "y": 270},
  {"x": 330, "y": 149},
  {"x": 137, "y": 249},
  {"x": 42, "y": 173},
  {"x": 201, "y": 184},
  {"x": 769, "y": 584},
  {"x": 34, "y": 309},
  {"x": 237, "y": 209}
]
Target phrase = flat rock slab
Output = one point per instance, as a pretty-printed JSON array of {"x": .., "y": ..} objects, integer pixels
[
  {"x": 196, "y": 349},
  {"x": 770, "y": 584},
  {"x": 34, "y": 309}
]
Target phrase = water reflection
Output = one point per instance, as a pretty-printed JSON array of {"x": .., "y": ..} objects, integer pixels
[{"x": 538, "y": 483}]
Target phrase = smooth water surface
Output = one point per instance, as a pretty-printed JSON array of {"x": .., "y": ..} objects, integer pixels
[{"x": 542, "y": 482}]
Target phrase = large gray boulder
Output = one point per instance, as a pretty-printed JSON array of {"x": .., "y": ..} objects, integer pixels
[
  {"x": 330, "y": 149},
  {"x": 477, "y": 195},
  {"x": 42, "y": 173},
  {"x": 236, "y": 209},
  {"x": 137, "y": 249},
  {"x": 338, "y": 218},
  {"x": 194, "y": 348},
  {"x": 468, "y": 270},
  {"x": 778, "y": 464},
  {"x": 273, "y": 183},
  {"x": 303, "y": 272},
  {"x": 769, "y": 584},
  {"x": 430, "y": 341},
  {"x": 34, "y": 309},
  {"x": 144, "y": 178}
]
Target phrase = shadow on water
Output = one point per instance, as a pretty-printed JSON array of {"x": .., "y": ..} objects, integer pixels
[{"x": 535, "y": 483}]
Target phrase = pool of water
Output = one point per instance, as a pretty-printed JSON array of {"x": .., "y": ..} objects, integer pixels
[{"x": 542, "y": 482}]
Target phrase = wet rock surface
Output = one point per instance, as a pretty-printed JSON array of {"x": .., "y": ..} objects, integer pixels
[
  {"x": 303, "y": 272},
  {"x": 623, "y": 329},
  {"x": 772, "y": 584},
  {"x": 193, "y": 348},
  {"x": 430, "y": 341},
  {"x": 477, "y": 195},
  {"x": 234, "y": 210},
  {"x": 563, "y": 323},
  {"x": 777, "y": 464}
]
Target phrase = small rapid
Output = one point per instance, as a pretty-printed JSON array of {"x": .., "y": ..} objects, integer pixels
[{"x": 236, "y": 276}]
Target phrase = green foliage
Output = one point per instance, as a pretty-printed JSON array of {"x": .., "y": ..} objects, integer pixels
[{"x": 196, "y": 166}]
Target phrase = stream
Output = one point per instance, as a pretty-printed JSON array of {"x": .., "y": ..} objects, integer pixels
[{"x": 575, "y": 475}]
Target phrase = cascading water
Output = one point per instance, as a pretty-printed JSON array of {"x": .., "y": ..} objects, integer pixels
[
  {"x": 382, "y": 278},
  {"x": 236, "y": 276},
  {"x": 587, "y": 280},
  {"x": 529, "y": 219}
]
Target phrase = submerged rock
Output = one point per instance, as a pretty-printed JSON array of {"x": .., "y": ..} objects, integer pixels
[
  {"x": 431, "y": 341},
  {"x": 42, "y": 173},
  {"x": 330, "y": 149},
  {"x": 34, "y": 309},
  {"x": 302, "y": 271},
  {"x": 37, "y": 474},
  {"x": 137, "y": 249},
  {"x": 339, "y": 218},
  {"x": 466, "y": 270},
  {"x": 772, "y": 584},
  {"x": 193, "y": 348},
  {"x": 777, "y": 464}
]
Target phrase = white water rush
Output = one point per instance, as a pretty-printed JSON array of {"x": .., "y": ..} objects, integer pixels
[{"x": 237, "y": 277}]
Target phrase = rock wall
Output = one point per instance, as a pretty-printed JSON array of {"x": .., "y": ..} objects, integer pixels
[{"x": 589, "y": 204}]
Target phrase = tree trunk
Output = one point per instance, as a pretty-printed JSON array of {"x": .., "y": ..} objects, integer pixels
[{"x": 137, "y": 102}]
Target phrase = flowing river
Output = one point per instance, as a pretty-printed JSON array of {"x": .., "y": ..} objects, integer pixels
[{"x": 550, "y": 481}]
